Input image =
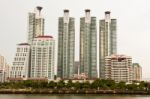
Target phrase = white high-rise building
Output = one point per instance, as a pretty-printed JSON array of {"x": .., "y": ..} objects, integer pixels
[
  {"x": 35, "y": 24},
  {"x": 42, "y": 57},
  {"x": 4, "y": 69},
  {"x": 21, "y": 64},
  {"x": 118, "y": 68}
]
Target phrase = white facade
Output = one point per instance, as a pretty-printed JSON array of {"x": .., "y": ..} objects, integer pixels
[
  {"x": 4, "y": 69},
  {"x": 42, "y": 57},
  {"x": 21, "y": 63},
  {"x": 118, "y": 68}
]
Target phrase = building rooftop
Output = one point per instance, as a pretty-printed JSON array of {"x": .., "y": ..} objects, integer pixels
[
  {"x": 24, "y": 44},
  {"x": 66, "y": 10},
  {"x": 136, "y": 64},
  {"x": 39, "y": 8},
  {"x": 118, "y": 58},
  {"x": 107, "y": 12},
  {"x": 87, "y": 10},
  {"x": 45, "y": 36}
]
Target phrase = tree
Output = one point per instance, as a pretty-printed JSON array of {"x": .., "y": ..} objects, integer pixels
[
  {"x": 110, "y": 84},
  {"x": 61, "y": 84},
  {"x": 121, "y": 85},
  {"x": 28, "y": 83},
  {"x": 77, "y": 85},
  {"x": 51, "y": 84},
  {"x": 86, "y": 85},
  {"x": 70, "y": 84},
  {"x": 132, "y": 86}
]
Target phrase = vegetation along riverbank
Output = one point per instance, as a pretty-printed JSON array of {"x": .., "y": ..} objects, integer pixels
[{"x": 96, "y": 87}]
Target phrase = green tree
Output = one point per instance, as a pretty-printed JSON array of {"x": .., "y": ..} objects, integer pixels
[
  {"x": 132, "y": 86},
  {"x": 110, "y": 84},
  {"x": 70, "y": 84},
  {"x": 86, "y": 85},
  {"x": 28, "y": 83},
  {"x": 121, "y": 85},
  {"x": 95, "y": 84},
  {"x": 77, "y": 85},
  {"x": 52, "y": 84},
  {"x": 61, "y": 84}
]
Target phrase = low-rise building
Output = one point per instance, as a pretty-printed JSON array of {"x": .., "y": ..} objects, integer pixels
[
  {"x": 118, "y": 68},
  {"x": 4, "y": 69},
  {"x": 21, "y": 64},
  {"x": 137, "y": 72}
]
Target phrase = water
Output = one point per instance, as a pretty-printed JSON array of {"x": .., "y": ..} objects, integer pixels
[{"x": 39, "y": 96}]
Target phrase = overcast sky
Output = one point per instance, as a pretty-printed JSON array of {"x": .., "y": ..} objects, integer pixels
[{"x": 133, "y": 24}]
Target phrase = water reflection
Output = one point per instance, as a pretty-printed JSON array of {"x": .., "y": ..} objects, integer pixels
[{"x": 60, "y": 96}]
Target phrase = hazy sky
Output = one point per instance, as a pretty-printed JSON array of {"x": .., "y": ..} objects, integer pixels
[{"x": 133, "y": 24}]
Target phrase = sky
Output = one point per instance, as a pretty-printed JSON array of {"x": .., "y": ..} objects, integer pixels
[{"x": 133, "y": 24}]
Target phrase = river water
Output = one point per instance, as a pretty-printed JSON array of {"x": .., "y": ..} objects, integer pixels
[{"x": 39, "y": 96}]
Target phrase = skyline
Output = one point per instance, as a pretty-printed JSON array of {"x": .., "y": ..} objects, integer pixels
[{"x": 131, "y": 25}]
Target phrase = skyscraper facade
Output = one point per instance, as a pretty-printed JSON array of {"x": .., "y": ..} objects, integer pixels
[
  {"x": 21, "y": 64},
  {"x": 77, "y": 67},
  {"x": 137, "y": 72},
  {"x": 66, "y": 46},
  {"x": 88, "y": 45},
  {"x": 107, "y": 41},
  {"x": 35, "y": 24},
  {"x": 42, "y": 57},
  {"x": 118, "y": 68}
]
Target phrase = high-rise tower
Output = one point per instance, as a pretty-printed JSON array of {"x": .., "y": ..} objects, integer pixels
[
  {"x": 108, "y": 42},
  {"x": 35, "y": 24},
  {"x": 88, "y": 45},
  {"x": 42, "y": 57},
  {"x": 66, "y": 46}
]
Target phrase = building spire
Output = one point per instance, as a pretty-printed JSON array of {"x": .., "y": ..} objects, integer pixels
[
  {"x": 38, "y": 9},
  {"x": 87, "y": 16},
  {"x": 107, "y": 16},
  {"x": 66, "y": 16}
]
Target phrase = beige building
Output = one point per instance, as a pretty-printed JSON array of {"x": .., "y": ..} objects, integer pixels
[
  {"x": 118, "y": 68},
  {"x": 137, "y": 72},
  {"x": 4, "y": 69}
]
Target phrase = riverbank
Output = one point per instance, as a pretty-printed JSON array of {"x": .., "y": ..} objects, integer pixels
[{"x": 49, "y": 91}]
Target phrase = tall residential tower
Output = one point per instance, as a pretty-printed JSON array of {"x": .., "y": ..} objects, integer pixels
[
  {"x": 66, "y": 46},
  {"x": 88, "y": 45},
  {"x": 108, "y": 42},
  {"x": 42, "y": 57},
  {"x": 35, "y": 24}
]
